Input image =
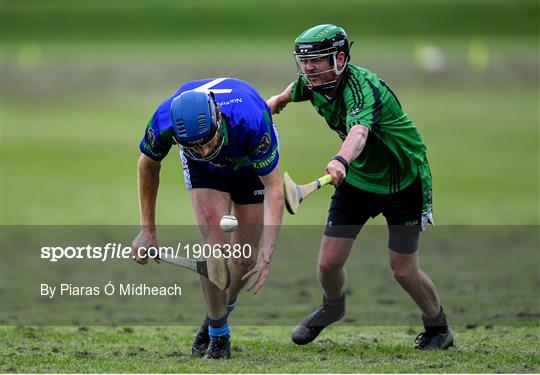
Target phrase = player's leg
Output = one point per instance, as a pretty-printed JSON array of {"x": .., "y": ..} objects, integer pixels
[
  {"x": 246, "y": 193},
  {"x": 210, "y": 201},
  {"x": 346, "y": 218},
  {"x": 331, "y": 273},
  {"x": 422, "y": 290},
  {"x": 414, "y": 281},
  {"x": 209, "y": 206},
  {"x": 404, "y": 216}
]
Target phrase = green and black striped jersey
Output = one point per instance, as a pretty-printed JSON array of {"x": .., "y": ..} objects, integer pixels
[{"x": 394, "y": 153}]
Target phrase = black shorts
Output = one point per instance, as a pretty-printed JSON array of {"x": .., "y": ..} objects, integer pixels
[
  {"x": 352, "y": 207},
  {"x": 245, "y": 187}
]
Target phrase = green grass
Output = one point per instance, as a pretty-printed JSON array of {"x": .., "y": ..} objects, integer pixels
[
  {"x": 355, "y": 349},
  {"x": 236, "y": 19},
  {"x": 79, "y": 82},
  {"x": 73, "y": 113},
  {"x": 484, "y": 162},
  {"x": 472, "y": 290}
]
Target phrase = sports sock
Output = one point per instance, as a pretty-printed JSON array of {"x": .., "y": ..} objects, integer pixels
[
  {"x": 230, "y": 307},
  {"x": 334, "y": 306},
  {"x": 436, "y": 325},
  {"x": 218, "y": 327}
]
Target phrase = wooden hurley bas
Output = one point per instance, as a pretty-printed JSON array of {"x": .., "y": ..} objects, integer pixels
[
  {"x": 295, "y": 194},
  {"x": 214, "y": 269}
]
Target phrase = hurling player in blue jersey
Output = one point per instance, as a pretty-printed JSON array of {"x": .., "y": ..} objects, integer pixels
[{"x": 229, "y": 151}]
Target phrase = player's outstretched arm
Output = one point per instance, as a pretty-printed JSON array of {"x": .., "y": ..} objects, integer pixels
[
  {"x": 350, "y": 150},
  {"x": 273, "y": 214},
  {"x": 277, "y": 102},
  {"x": 148, "y": 183}
]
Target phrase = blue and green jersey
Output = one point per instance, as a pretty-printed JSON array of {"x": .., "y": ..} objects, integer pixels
[{"x": 250, "y": 139}]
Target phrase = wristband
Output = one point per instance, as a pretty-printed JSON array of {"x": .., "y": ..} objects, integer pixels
[{"x": 342, "y": 160}]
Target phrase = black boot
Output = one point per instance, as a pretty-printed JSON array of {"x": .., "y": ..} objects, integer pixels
[
  {"x": 219, "y": 348},
  {"x": 202, "y": 340},
  {"x": 437, "y": 335},
  {"x": 330, "y": 311}
]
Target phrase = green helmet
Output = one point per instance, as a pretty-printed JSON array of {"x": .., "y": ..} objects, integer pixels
[{"x": 322, "y": 42}]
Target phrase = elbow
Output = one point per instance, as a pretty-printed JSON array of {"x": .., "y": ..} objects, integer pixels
[
  {"x": 360, "y": 133},
  {"x": 145, "y": 164},
  {"x": 355, "y": 142},
  {"x": 273, "y": 189}
]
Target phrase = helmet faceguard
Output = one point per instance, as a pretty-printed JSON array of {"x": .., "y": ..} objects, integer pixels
[
  {"x": 195, "y": 152},
  {"x": 316, "y": 52},
  {"x": 194, "y": 116},
  {"x": 309, "y": 66}
]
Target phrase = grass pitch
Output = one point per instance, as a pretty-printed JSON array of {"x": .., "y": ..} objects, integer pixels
[
  {"x": 79, "y": 85},
  {"x": 266, "y": 349}
]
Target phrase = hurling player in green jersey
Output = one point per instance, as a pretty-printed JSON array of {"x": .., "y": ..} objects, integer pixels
[{"x": 381, "y": 168}]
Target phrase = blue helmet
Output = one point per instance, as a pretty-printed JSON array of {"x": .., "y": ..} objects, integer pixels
[{"x": 194, "y": 118}]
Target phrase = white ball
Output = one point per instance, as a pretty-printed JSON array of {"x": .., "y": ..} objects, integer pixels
[{"x": 228, "y": 223}]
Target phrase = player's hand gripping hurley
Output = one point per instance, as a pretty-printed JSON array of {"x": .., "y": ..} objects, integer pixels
[{"x": 295, "y": 194}]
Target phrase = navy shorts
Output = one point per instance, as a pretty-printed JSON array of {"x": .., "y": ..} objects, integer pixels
[
  {"x": 245, "y": 187},
  {"x": 351, "y": 208}
]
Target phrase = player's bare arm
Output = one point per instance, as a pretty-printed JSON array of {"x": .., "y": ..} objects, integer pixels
[
  {"x": 277, "y": 102},
  {"x": 273, "y": 213},
  {"x": 352, "y": 147},
  {"x": 148, "y": 183}
]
